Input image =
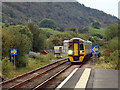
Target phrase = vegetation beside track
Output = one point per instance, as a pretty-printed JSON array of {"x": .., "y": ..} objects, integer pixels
[
  {"x": 33, "y": 62},
  {"x": 110, "y": 53}
]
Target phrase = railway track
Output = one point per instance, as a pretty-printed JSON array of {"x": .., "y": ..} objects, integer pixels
[
  {"x": 49, "y": 81},
  {"x": 37, "y": 77}
]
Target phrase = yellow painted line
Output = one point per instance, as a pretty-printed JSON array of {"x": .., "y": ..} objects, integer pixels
[{"x": 83, "y": 79}]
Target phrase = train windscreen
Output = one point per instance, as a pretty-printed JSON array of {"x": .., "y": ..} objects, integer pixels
[
  {"x": 70, "y": 46},
  {"x": 81, "y": 46}
]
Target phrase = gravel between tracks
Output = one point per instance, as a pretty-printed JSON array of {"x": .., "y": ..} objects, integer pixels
[{"x": 39, "y": 80}]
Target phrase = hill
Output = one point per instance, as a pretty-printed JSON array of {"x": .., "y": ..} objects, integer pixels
[
  {"x": 66, "y": 15},
  {"x": 49, "y": 31}
]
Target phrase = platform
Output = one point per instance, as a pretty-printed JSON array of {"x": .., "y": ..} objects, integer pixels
[{"x": 91, "y": 79}]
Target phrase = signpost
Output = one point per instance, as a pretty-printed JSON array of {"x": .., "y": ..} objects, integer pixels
[
  {"x": 13, "y": 52},
  {"x": 95, "y": 52}
]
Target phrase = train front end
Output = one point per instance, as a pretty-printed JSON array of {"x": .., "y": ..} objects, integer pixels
[{"x": 76, "y": 50}]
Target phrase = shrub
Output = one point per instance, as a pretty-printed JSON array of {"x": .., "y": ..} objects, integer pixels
[
  {"x": 7, "y": 66},
  {"x": 50, "y": 56},
  {"x": 114, "y": 59},
  {"x": 21, "y": 61}
]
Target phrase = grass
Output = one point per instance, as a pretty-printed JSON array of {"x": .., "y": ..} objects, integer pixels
[
  {"x": 33, "y": 63},
  {"x": 96, "y": 31},
  {"x": 104, "y": 64},
  {"x": 50, "y": 31}
]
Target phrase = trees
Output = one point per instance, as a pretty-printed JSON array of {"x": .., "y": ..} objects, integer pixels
[
  {"x": 111, "y": 31},
  {"x": 22, "y": 29},
  {"x": 96, "y": 25},
  {"x": 47, "y": 23},
  {"x": 57, "y": 39},
  {"x": 12, "y": 37},
  {"x": 39, "y": 39},
  {"x": 40, "y": 42},
  {"x": 73, "y": 29},
  {"x": 83, "y": 30}
]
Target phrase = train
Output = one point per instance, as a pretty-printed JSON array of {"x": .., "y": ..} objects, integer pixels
[
  {"x": 58, "y": 51},
  {"x": 79, "y": 50}
]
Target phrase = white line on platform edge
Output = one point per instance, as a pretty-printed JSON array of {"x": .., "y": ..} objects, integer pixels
[
  {"x": 83, "y": 79},
  {"x": 66, "y": 79}
]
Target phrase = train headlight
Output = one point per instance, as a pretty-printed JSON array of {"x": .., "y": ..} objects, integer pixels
[
  {"x": 70, "y": 52},
  {"x": 80, "y": 51}
]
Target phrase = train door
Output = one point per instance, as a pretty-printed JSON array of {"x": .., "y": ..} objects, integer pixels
[{"x": 75, "y": 49}]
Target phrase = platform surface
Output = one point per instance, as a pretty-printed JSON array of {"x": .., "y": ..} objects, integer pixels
[{"x": 96, "y": 79}]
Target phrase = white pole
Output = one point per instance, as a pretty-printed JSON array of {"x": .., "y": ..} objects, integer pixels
[
  {"x": 11, "y": 58},
  {"x": 97, "y": 59},
  {"x": 93, "y": 59},
  {"x": 14, "y": 60}
]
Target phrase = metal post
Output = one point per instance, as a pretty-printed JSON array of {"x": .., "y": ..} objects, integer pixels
[
  {"x": 14, "y": 60},
  {"x": 93, "y": 58},
  {"x": 11, "y": 58},
  {"x": 97, "y": 59}
]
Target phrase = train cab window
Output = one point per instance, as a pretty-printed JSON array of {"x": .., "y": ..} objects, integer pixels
[
  {"x": 81, "y": 46},
  {"x": 70, "y": 46}
]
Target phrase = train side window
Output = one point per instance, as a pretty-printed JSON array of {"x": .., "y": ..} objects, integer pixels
[
  {"x": 81, "y": 46},
  {"x": 70, "y": 46}
]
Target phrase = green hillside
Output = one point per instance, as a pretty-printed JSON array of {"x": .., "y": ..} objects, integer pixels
[
  {"x": 93, "y": 31},
  {"x": 49, "y": 31},
  {"x": 65, "y": 14}
]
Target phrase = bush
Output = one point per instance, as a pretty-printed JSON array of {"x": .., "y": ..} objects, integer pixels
[
  {"x": 43, "y": 58},
  {"x": 98, "y": 35},
  {"x": 21, "y": 61},
  {"x": 7, "y": 66},
  {"x": 114, "y": 59},
  {"x": 50, "y": 56},
  {"x": 112, "y": 46},
  {"x": 111, "y": 31}
]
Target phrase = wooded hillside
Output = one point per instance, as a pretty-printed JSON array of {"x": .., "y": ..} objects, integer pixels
[{"x": 66, "y": 15}]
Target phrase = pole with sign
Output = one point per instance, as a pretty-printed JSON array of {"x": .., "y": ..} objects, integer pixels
[
  {"x": 13, "y": 52},
  {"x": 94, "y": 52}
]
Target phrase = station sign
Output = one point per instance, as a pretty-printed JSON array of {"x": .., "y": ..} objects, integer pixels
[
  {"x": 95, "y": 49},
  {"x": 13, "y": 51}
]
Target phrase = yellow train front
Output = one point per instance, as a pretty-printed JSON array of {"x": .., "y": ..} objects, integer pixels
[{"x": 79, "y": 50}]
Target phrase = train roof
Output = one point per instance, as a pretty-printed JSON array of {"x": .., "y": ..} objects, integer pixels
[
  {"x": 80, "y": 39},
  {"x": 77, "y": 38},
  {"x": 89, "y": 41}
]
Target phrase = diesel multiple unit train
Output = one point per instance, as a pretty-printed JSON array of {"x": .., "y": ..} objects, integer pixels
[{"x": 78, "y": 50}]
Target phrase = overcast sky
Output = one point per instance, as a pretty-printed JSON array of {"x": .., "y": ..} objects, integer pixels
[{"x": 108, "y": 6}]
